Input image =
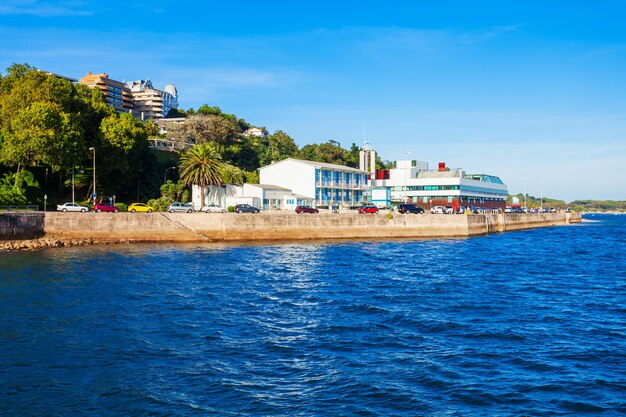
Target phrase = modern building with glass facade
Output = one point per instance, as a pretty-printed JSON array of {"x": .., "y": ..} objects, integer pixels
[
  {"x": 412, "y": 181},
  {"x": 324, "y": 183}
]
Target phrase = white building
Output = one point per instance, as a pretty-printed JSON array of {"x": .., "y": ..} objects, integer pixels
[
  {"x": 150, "y": 102},
  {"x": 320, "y": 182},
  {"x": 261, "y": 196},
  {"x": 411, "y": 181},
  {"x": 255, "y": 131}
]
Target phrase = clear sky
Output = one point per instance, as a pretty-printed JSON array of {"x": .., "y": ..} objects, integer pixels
[{"x": 519, "y": 89}]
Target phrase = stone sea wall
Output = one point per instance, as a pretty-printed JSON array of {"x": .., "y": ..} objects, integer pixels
[
  {"x": 18, "y": 226},
  {"x": 183, "y": 227}
]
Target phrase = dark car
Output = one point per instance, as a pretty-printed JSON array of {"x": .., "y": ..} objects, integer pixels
[
  {"x": 306, "y": 209},
  {"x": 368, "y": 208},
  {"x": 106, "y": 207},
  {"x": 410, "y": 208},
  {"x": 246, "y": 208}
]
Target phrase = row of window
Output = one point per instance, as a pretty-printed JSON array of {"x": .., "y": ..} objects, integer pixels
[
  {"x": 485, "y": 178},
  {"x": 462, "y": 199},
  {"x": 325, "y": 195},
  {"x": 413, "y": 163},
  {"x": 426, "y": 188},
  {"x": 298, "y": 202},
  {"x": 326, "y": 176}
]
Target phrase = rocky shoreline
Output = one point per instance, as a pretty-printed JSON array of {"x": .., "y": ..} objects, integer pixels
[{"x": 42, "y": 243}]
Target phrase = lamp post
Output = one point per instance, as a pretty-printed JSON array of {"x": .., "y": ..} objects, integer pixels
[
  {"x": 165, "y": 175},
  {"x": 525, "y": 193},
  {"x": 94, "y": 174},
  {"x": 72, "y": 184},
  {"x": 407, "y": 170},
  {"x": 541, "y": 205}
]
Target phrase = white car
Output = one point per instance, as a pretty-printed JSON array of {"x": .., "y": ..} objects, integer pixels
[
  {"x": 72, "y": 207},
  {"x": 442, "y": 210},
  {"x": 213, "y": 208}
]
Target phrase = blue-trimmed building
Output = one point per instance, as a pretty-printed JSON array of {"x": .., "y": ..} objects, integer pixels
[{"x": 324, "y": 183}]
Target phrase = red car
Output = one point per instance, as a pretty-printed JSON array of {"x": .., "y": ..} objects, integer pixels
[
  {"x": 306, "y": 209},
  {"x": 106, "y": 207},
  {"x": 368, "y": 208}
]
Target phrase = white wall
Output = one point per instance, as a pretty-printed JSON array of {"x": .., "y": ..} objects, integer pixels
[{"x": 296, "y": 176}]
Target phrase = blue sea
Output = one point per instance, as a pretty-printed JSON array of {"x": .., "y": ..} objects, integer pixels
[{"x": 529, "y": 323}]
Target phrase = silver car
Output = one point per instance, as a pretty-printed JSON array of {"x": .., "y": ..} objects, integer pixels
[
  {"x": 72, "y": 207},
  {"x": 180, "y": 207}
]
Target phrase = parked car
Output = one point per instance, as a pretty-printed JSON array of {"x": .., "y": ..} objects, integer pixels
[
  {"x": 442, "y": 210},
  {"x": 180, "y": 207},
  {"x": 246, "y": 208},
  {"x": 72, "y": 207},
  {"x": 306, "y": 209},
  {"x": 106, "y": 207},
  {"x": 213, "y": 208},
  {"x": 410, "y": 208},
  {"x": 368, "y": 208},
  {"x": 140, "y": 208}
]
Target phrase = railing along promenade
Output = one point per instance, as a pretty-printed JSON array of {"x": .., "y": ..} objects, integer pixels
[{"x": 168, "y": 145}]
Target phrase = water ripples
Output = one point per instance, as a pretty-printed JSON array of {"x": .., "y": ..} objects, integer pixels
[{"x": 525, "y": 323}]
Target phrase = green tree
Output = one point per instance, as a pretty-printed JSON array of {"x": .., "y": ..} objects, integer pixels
[
  {"x": 201, "y": 165},
  {"x": 212, "y": 128},
  {"x": 277, "y": 147},
  {"x": 123, "y": 160},
  {"x": 152, "y": 129},
  {"x": 19, "y": 188},
  {"x": 170, "y": 192},
  {"x": 329, "y": 152}
]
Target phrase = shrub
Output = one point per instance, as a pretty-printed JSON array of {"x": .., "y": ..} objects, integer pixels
[
  {"x": 389, "y": 216},
  {"x": 121, "y": 206},
  {"x": 160, "y": 204},
  {"x": 231, "y": 209}
]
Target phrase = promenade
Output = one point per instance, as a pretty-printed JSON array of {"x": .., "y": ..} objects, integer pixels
[{"x": 270, "y": 226}]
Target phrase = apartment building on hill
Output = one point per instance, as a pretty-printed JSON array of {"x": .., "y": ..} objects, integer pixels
[{"x": 115, "y": 92}]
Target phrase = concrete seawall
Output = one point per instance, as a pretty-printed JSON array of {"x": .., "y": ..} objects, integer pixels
[
  {"x": 183, "y": 227},
  {"x": 14, "y": 226}
]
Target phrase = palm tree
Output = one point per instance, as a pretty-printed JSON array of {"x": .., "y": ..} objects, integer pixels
[
  {"x": 201, "y": 165},
  {"x": 232, "y": 175}
]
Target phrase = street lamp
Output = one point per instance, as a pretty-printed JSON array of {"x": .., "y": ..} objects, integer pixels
[
  {"x": 94, "y": 174},
  {"x": 407, "y": 169},
  {"x": 165, "y": 175},
  {"x": 541, "y": 205},
  {"x": 525, "y": 192}
]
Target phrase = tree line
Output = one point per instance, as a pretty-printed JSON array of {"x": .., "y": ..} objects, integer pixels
[{"x": 50, "y": 127}]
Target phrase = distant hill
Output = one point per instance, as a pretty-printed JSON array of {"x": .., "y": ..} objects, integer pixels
[{"x": 577, "y": 205}]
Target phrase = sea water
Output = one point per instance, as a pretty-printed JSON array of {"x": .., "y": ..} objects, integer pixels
[{"x": 521, "y": 323}]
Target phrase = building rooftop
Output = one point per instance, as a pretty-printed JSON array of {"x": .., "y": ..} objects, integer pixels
[
  {"x": 335, "y": 167},
  {"x": 270, "y": 187},
  {"x": 484, "y": 178},
  {"x": 453, "y": 173}
]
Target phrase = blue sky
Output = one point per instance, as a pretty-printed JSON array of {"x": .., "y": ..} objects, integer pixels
[{"x": 516, "y": 89}]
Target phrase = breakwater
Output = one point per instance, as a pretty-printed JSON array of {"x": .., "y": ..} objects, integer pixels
[{"x": 183, "y": 227}]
